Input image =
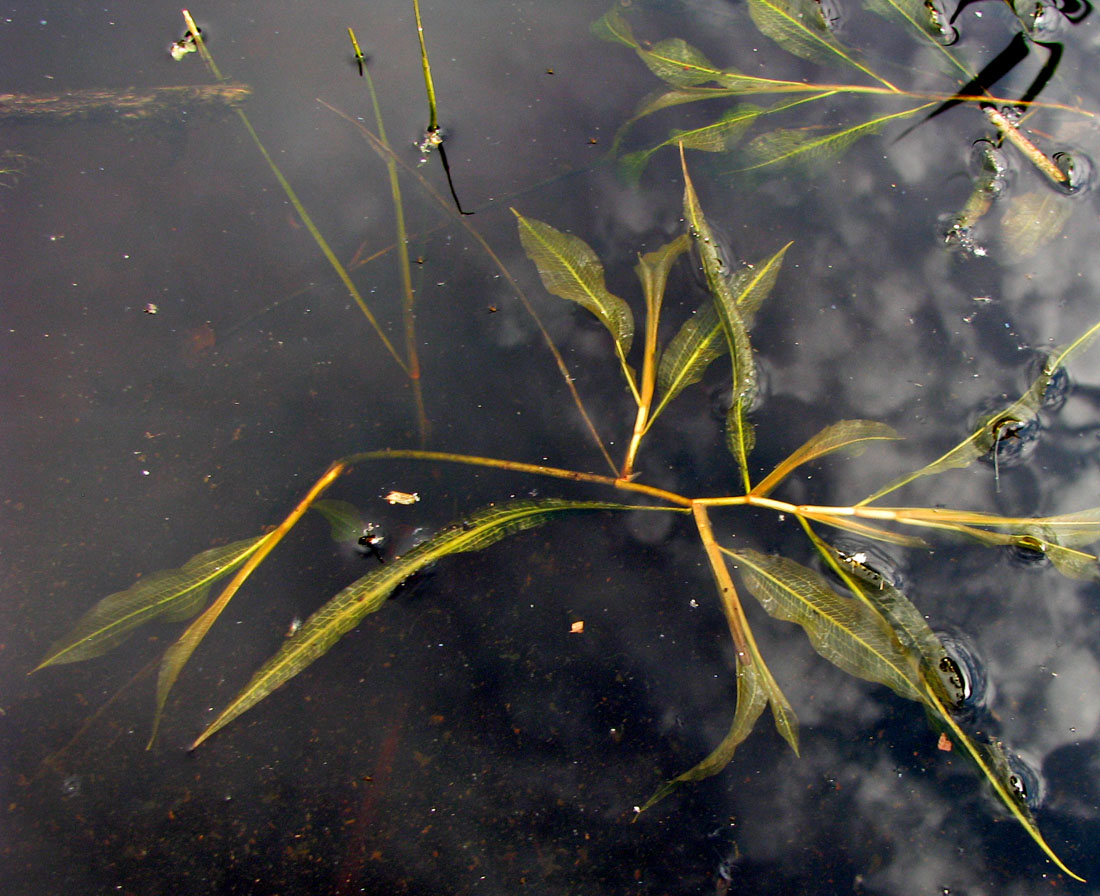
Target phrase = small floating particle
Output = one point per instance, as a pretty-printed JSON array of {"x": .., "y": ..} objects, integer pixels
[
  {"x": 944, "y": 743},
  {"x": 577, "y": 627},
  {"x": 150, "y": 308},
  {"x": 396, "y": 497}
]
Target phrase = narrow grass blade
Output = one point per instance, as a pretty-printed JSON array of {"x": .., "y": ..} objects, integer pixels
[
  {"x": 300, "y": 209},
  {"x": 169, "y": 595},
  {"x": 366, "y": 595},
  {"x": 844, "y": 631},
  {"x": 799, "y": 27},
  {"x": 850, "y": 434},
  {"x": 570, "y": 269}
]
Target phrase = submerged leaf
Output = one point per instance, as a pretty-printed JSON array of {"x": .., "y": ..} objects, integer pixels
[
  {"x": 1032, "y": 220},
  {"x": 850, "y": 434},
  {"x": 170, "y": 595},
  {"x": 740, "y": 437},
  {"x": 800, "y": 28},
  {"x": 699, "y": 342},
  {"x": 811, "y": 146},
  {"x": 570, "y": 269},
  {"x": 752, "y": 697},
  {"x": 344, "y": 518},
  {"x": 366, "y": 595},
  {"x": 846, "y": 632},
  {"x": 718, "y": 136}
]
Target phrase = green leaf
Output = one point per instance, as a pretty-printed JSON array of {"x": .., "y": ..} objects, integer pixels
[
  {"x": 570, "y": 269},
  {"x": 799, "y": 27},
  {"x": 810, "y": 147},
  {"x": 752, "y": 697},
  {"x": 844, "y": 631},
  {"x": 346, "y": 609},
  {"x": 612, "y": 27},
  {"x": 754, "y": 283},
  {"x": 923, "y": 18},
  {"x": 653, "y": 269},
  {"x": 718, "y": 136},
  {"x": 170, "y": 595},
  {"x": 679, "y": 64},
  {"x": 740, "y": 437},
  {"x": 699, "y": 342},
  {"x": 851, "y": 434},
  {"x": 983, "y": 439},
  {"x": 344, "y": 518}
]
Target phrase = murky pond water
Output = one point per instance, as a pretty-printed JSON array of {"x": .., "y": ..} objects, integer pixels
[{"x": 180, "y": 363}]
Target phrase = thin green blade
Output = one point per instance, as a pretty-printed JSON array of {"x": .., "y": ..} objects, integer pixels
[
  {"x": 170, "y": 595},
  {"x": 366, "y": 595}
]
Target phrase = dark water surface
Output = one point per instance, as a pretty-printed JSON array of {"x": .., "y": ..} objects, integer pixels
[{"x": 462, "y": 740}]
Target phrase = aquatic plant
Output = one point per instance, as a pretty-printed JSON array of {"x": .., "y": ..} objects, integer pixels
[{"x": 859, "y": 620}]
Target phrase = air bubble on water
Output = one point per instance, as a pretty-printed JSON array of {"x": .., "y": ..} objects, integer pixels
[{"x": 963, "y": 674}]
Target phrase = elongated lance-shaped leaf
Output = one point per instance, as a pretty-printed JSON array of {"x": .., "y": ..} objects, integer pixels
[
  {"x": 698, "y": 343},
  {"x": 717, "y": 136},
  {"x": 851, "y": 434},
  {"x": 752, "y": 698},
  {"x": 842, "y": 630},
  {"x": 849, "y": 524},
  {"x": 570, "y": 269},
  {"x": 701, "y": 340},
  {"x": 984, "y": 438},
  {"x": 752, "y": 284},
  {"x": 366, "y": 595},
  {"x": 940, "y": 688},
  {"x": 674, "y": 61},
  {"x": 740, "y": 437},
  {"x": 748, "y": 653},
  {"x": 652, "y": 270},
  {"x": 938, "y": 671},
  {"x": 170, "y": 595},
  {"x": 799, "y": 27},
  {"x": 810, "y": 146},
  {"x": 993, "y": 764}
]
